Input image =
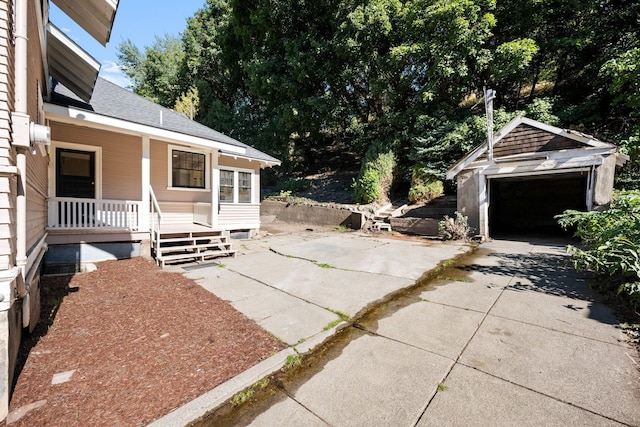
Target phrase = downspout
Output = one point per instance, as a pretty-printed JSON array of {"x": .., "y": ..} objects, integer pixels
[{"x": 20, "y": 119}]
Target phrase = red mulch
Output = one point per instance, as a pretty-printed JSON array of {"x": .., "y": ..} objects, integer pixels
[{"x": 141, "y": 341}]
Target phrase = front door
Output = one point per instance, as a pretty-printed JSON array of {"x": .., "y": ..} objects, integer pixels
[{"x": 75, "y": 174}]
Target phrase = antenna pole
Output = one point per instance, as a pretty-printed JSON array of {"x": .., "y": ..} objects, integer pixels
[{"x": 489, "y": 95}]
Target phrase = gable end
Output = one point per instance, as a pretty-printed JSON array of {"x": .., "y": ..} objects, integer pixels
[{"x": 528, "y": 139}]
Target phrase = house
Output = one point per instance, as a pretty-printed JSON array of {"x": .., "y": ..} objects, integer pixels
[
  {"x": 532, "y": 172},
  {"x": 89, "y": 170},
  {"x": 122, "y": 166}
]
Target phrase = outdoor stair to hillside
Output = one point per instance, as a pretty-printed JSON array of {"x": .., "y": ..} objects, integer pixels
[
  {"x": 381, "y": 218},
  {"x": 424, "y": 220},
  {"x": 176, "y": 246}
]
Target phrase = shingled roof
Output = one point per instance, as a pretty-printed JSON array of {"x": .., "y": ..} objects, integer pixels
[{"x": 110, "y": 100}]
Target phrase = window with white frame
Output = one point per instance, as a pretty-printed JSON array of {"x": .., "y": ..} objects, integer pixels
[
  {"x": 235, "y": 186},
  {"x": 188, "y": 169}
]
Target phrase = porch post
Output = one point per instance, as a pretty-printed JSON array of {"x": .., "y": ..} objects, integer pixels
[
  {"x": 146, "y": 182},
  {"x": 215, "y": 188}
]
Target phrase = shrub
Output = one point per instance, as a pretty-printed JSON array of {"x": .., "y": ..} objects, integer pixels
[
  {"x": 611, "y": 244},
  {"x": 424, "y": 187},
  {"x": 376, "y": 174},
  {"x": 294, "y": 185},
  {"x": 454, "y": 228}
]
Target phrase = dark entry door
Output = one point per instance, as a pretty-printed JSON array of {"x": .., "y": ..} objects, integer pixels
[{"x": 75, "y": 174}]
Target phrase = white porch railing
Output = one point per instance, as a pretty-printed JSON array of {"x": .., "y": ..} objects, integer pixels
[{"x": 67, "y": 213}]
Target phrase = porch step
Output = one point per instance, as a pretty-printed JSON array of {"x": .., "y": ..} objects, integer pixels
[{"x": 195, "y": 245}]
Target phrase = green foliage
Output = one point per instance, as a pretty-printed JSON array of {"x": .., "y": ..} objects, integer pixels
[
  {"x": 316, "y": 84},
  {"x": 293, "y": 360},
  {"x": 424, "y": 186},
  {"x": 154, "y": 73},
  {"x": 294, "y": 185},
  {"x": 454, "y": 228},
  {"x": 611, "y": 242},
  {"x": 376, "y": 174}
]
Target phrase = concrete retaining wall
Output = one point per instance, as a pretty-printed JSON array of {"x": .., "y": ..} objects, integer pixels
[{"x": 308, "y": 214}]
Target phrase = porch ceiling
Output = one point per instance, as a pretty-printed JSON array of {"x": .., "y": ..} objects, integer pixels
[
  {"x": 70, "y": 65},
  {"x": 95, "y": 16}
]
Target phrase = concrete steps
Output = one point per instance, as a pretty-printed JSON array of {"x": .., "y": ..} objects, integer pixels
[
  {"x": 177, "y": 246},
  {"x": 424, "y": 220}
]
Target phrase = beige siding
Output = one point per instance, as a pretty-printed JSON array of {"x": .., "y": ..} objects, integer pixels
[
  {"x": 7, "y": 154},
  {"x": 176, "y": 212},
  {"x": 160, "y": 178},
  {"x": 121, "y": 158},
  {"x": 239, "y": 216}
]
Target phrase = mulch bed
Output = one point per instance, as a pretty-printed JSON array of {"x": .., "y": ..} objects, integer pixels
[{"x": 137, "y": 343}]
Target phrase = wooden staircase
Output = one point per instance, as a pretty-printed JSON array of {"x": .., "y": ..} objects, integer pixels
[{"x": 176, "y": 246}]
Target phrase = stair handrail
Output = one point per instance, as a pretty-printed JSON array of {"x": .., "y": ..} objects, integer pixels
[{"x": 156, "y": 216}]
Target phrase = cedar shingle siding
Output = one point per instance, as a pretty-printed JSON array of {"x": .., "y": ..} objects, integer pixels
[{"x": 527, "y": 139}]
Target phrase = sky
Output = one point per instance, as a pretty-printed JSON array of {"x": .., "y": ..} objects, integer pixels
[{"x": 138, "y": 20}]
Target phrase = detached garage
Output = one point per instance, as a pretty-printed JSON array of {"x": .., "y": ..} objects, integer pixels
[{"x": 532, "y": 172}]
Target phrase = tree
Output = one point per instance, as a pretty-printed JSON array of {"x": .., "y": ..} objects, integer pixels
[{"x": 154, "y": 73}]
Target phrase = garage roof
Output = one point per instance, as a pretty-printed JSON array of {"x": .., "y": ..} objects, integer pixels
[{"x": 557, "y": 140}]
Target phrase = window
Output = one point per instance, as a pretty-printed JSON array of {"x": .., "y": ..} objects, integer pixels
[
  {"x": 235, "y": 186},
  {"x": 188, "y": 169},
  {"x": 244, "y": 187},
  {"x": 226, "y": 186}
]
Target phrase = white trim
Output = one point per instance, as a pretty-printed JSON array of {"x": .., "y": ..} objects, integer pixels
[
  {"x": 236, "y": 186},
  {"x": 146, "y": 182},
  {"x": 79, "y": 147},
  {"x": 207, "y": 178},
  {"x": 81, "y": 117}
]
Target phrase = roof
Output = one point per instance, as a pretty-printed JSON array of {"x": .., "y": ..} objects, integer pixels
[
  {"x": 70, "y": 64},
  {"x": 95, "y": 16},
  {"x": 581, "y": 140},
  {"x": 111, "y": 101}
]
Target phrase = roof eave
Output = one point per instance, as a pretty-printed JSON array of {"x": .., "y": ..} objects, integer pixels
[{"x": 78, "y": 116}]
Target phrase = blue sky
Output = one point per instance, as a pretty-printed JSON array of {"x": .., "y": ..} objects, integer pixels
[{"x": 138, "y": 20}]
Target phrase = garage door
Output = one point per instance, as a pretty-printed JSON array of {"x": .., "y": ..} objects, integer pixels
[{"x": 527, "y": 205}]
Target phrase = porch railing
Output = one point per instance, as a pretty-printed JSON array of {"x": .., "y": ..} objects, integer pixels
[
  {"x": 156, "y": 220},
  {"x": 67, "y": 213}
]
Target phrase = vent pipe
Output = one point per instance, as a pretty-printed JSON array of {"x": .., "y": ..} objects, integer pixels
[{"x": 489, "y": 96}]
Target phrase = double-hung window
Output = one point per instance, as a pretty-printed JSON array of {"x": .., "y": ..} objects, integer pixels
[
  {"x": 235, "y": 186},
  {"x": 188, "y": 169}
]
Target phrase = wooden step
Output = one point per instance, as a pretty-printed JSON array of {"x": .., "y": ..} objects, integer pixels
[
  {"x": 191, "y": 239},
  {"x": 198, "y": 256},
  {"x": 194, "y": 248}
]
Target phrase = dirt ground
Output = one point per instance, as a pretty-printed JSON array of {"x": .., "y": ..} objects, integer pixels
[{"x": 126, "y": 344}]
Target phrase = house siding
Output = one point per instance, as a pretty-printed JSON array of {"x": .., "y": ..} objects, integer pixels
[
  {"x": 8, "y": 183},
  {"x": 121, "y": 158},
  {"x": 239, "y": 215}
]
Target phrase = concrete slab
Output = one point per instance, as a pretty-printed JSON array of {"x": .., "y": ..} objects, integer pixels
[
  {"x": 396, "y": 258},
  {"x": 581, "y": 317},
  {"x": 298, "y": 323},
  {"x": 437, "y": 328},
  {"x": 374, "y": 381},
  {"x": 472, "y": 296},
  {"x": 587, "y": 373},
  {"x": 226, "y": 284},
  {"x": 473, "y": 398},
  {"x": 286, "y": 412},
  {"x": 331, "y": 288}
]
